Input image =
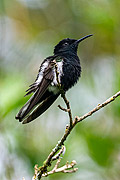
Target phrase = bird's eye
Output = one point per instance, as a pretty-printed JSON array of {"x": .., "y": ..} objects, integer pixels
[{"x": 65, "y": 44}]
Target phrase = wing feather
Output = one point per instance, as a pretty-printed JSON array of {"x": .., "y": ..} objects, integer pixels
[
  {"x": 41, "y": 108},
  {"x": 39, "y": 90}
]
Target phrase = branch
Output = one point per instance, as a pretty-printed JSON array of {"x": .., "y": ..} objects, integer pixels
[
  {"x": 63, "y": 109},
  {"x": 57, "y": 156},
  {"x": 98, "y": 107},
  {"x": 68, "y": 168},
  {"x": 41, "y": 171},
  {"x": 77, "y": 119}
]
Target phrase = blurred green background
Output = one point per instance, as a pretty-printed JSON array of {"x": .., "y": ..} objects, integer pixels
[{"x": 29, "y": 30}]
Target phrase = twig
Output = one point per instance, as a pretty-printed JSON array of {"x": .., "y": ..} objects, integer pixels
[
  {"x": 57, "y": 164},
  {"x": 63, "y": 109},
  {"x": 43, "y": 170},
  {"x": 98, "y": 107},
  {"x": 68, "y": 168},
  {"x": 68, "y": 108},
  {"x": 57, "y": 156},
  {"x": 36, "y": 172},
  {"x": 77, "y": 119}
]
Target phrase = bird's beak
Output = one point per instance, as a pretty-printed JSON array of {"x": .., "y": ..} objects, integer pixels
[{"x": 79, "y": 40}]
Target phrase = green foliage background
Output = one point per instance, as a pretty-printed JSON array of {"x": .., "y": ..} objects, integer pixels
[{"x": 29, "y": 30}]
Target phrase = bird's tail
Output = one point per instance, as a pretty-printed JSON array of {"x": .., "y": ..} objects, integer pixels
[
  {"x": 41, "y": 108},
  {"x": 22, "y": 113}
]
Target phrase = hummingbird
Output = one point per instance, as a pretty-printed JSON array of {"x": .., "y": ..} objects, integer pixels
[{"x": 45, "y": 89}]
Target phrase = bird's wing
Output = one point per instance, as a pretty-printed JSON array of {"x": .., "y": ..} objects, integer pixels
[
  {"x": 40, "y": 87},
  {"x": 32, "y": 88},
  {"x": 41, "y": 108}
]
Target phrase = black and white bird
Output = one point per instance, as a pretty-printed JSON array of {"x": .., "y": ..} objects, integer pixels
[{"x": 45, "y": 88}]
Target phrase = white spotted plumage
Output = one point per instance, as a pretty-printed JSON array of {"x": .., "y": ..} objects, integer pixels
[
  {"x": 52, "y": 87},
  {"x": 60, "y": 70},
  {"x": 42, "y": 68}
]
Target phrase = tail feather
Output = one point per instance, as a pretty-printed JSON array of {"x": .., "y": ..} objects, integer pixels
[
  {"x": 41, "y": 108},
  {"x": 21, "y": 113},
  {"x": 27, "y": 107}
]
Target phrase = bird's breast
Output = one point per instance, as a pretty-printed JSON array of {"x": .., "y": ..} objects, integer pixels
[{"x": 71, "y": 73}]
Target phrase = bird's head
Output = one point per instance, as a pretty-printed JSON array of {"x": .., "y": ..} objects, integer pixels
[{"x": 68, "y": 44}]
